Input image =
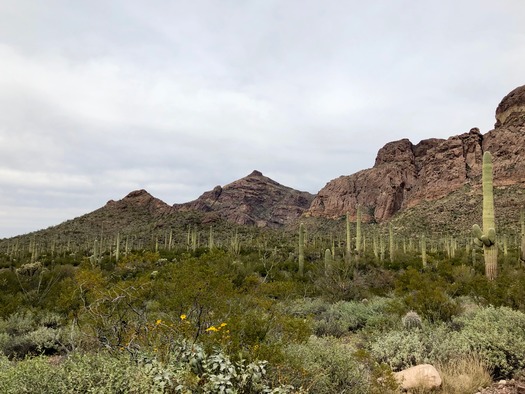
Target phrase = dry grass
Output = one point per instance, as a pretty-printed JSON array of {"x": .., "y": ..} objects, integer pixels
[{"x": 463, "y": 375}]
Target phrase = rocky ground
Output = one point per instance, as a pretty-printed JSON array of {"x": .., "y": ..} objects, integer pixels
[{"x": 505, "y": 387}]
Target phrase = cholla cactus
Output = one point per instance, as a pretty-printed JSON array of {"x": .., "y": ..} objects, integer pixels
[{"x": 412, "y": 321}]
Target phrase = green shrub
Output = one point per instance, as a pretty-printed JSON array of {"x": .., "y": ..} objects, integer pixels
[
  {"x": 401, "y": 349},
  {"x": 351, "y": 316},
  {"x": 426, "y": 294},
  {"x": 498, "y": 335},
  {"x": 26, "y": 333},
  {"x": 325, "y": 365}
]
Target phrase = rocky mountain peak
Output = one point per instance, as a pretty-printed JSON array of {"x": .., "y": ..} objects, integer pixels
[
  {"x": 511, "y": 109},
  {"x": 139, "y": 199},
  {"x": 252, "y": 200},
  {"x": 255, "y": 173}
]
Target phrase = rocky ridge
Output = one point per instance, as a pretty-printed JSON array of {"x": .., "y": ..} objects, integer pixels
[{"x": 404, "y": 174}]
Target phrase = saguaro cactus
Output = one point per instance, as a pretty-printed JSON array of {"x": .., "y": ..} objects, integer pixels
[
  {"x": 348, "y": 240},
  {"x": 424, "y": 251},
  {"x": 487, "y": 237},
  {"x": 328, "y": 261},
  {"x": 301, "y": 249},
  {"x": 358, "y": 241}
]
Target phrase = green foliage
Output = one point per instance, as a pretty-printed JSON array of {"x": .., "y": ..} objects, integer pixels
[
  {"x": 25, "y": 333},
  {"x": 190, "y": 370},
  {"x": 425, "y": 293},
  {"x": 325, "y": 365},
  {"x": 498, "y": 335},
  {"x": 401, "y": 350},
  {"x": 344, "y": 317}
]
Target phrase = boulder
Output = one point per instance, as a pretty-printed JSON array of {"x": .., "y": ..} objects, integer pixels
[{"x": 423, "y": 375}]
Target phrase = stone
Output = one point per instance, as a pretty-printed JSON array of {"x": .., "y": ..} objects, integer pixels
[{"x": 423, "y": 375}]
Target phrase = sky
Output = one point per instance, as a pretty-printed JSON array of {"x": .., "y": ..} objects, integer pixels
[{"x": 100, "y": 98}]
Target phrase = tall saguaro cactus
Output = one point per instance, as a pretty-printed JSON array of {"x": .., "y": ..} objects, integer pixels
[
  {"x": 358, "y": 241},
  {"x": 301, "y": 249},
  {"x": 487, "y": 237},
  {"x": 348, "y": 240}
]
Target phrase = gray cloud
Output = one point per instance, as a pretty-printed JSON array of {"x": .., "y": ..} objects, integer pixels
[{"x": 98, "y": 99}]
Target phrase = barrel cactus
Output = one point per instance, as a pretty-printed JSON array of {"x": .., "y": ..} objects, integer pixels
[{"x": 412, "y": 321}]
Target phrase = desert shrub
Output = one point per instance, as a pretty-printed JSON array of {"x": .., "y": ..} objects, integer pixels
[
  {"x": 25, "y": 333},
  {"x": 191, "y": 370},
  {"x": 498, "y": 336},
  {"x": 350, "y": 316},
  {"x": 424, "y": 293},
  {"x": 304, "y": 307},
  {"x": 401, "y": 349},
  {"x": 215, "y": 372},
  {"x": 325, "y": 365}
]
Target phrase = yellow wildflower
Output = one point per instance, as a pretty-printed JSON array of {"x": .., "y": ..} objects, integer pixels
[
  {"x": 183, "y": 317},
  {"x": 158, "y": 322},
  {"x": 223, "y": 325},
  {"x": 212, "y": 328}
]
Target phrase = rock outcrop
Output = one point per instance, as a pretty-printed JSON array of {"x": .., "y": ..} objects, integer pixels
[
  {"x": 405, "y": 174},
  {"x": 139, "y": 199},
  {"x": 252, "y": 200}
]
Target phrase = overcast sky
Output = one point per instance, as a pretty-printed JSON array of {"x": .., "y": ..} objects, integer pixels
[{"x": 99, "y": 98}]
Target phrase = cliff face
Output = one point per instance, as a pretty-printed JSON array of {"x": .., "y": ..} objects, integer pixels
[
  {"x": 252, "y": 200},
  {"x": 405, "y": 174}
]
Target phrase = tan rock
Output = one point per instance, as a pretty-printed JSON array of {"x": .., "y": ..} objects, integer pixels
[{"x": 424, "y": 375}]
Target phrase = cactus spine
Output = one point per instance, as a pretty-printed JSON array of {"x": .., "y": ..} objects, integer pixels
[
  {"x": 487, "y": 237},
  {"x": 301, "y": 249}
]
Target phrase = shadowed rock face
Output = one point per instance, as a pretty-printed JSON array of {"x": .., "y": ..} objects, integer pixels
[
  {"x": 252, "y": 200},
  {"x": 405, "y": 174}
]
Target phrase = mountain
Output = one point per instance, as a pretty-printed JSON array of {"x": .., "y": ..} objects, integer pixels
[
  {"x": 432, "y": 185},
  {"x": 254, "y": 200},
  {"x": 405, "y": 175}
]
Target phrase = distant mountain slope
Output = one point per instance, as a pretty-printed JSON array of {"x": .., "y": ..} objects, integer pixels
[
  {"x": 253, "y": 200},
  {"x": 406, "y": 175}
]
